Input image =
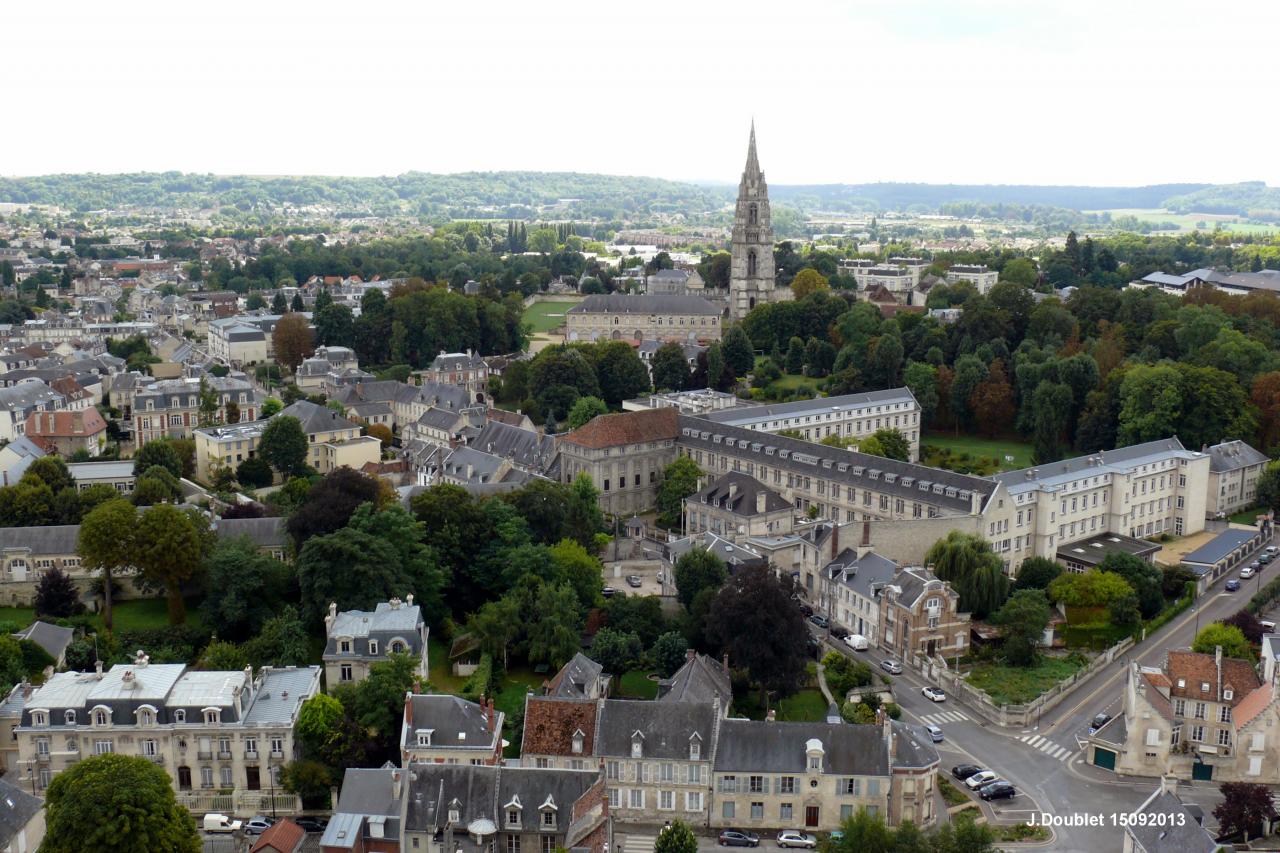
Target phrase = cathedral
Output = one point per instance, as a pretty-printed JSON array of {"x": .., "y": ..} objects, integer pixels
[{"x": 751, "y": 275}]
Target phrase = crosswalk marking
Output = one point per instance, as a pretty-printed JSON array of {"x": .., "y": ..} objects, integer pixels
[
  {"x": 943, "y": 717},
  {"x": 1048, "y": 747},
  {"x": 639, "y": 843}
]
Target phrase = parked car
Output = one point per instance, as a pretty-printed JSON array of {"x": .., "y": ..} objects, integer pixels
[
  {"x": 1233, "y": 585},
  {"x": 857, "y": 642},
  {"x": 982, "y": 777},
  {"x": 608, "y": 592},
  {"x": 933, "y": 694},
  {"x": 891, "y": 666},
  {"x": 311, "y": 824},
  {"x": 820, "y": 621},
  {"x": 997, "y": 790},
  {"x": 738, "y": 838},
  {"x": 964, "y": 771},
  {"x": 219, "y": 823},
  {"x": 633, "y": 581},
  {"x": 1267, "y": 625},
  {"x": 258, "y": 825},
  {"x": 1247, "y": 572},
  {"x": 806, "y": 610},
  {"x": 791, "y": 838},
  {"x": 1273, "y": 549},
  {"x": 935, "y": 733},
  {"x": 1265, "y": 558},
  {"x": 1098, "y": 722},
  {"x": 813, "y": 647},
  {"x": 837, "y": 835},
  {"x": 838, "y": 632}
]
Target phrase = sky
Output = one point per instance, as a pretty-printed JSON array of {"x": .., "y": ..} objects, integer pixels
[{"x": 1095, "y": 92}]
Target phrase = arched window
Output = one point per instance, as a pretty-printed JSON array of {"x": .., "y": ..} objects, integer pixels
[
  {"x": 180, "y": 716},
  {"x": 753, "y": 213},
  {"x": 101, "y": 717},
  {"x": 751, "y": 262},
  {"x": 70, "y": 716}
]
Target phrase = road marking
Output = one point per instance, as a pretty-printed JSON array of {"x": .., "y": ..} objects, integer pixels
[
  {"x": 944, "y": 717},
  {"x": 1048, "y": 747}
]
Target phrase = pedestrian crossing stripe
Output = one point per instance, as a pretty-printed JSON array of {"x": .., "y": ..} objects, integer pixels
[
  {"x": 944, "y": 717},
  {"x": 1048, "y": 747}
]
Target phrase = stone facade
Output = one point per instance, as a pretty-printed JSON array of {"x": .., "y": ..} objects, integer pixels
[
  {"x": 357, "y": 639},
  {"x": 752, "y": 277},
  {"x": 620, "y": 316},
  {"x": 1234, "y": 469},
  {"x": 919, "y": 615},
  {"x": 624, "y": 456}
]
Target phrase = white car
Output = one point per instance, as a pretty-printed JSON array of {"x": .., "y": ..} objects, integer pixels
[
  {"x": 933, "y": 694},
  {"x": 791, "y": 838},
  {"x": 1246, "y": 573},
  {"x": 857, "y": 642},
  {"x": 977, "y": 780}
]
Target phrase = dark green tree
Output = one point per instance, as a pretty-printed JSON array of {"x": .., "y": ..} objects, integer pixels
[
  {"x": 1036, "y": 573},
  {"x": 284, "y": 446},
  {"x": 754, "y": 618},
  {"x": 679, "y": 480},
  {"x": 670, "y": 368},
  {"x": 738, "y": 353},
  {"x": 1022, "y": 620}
]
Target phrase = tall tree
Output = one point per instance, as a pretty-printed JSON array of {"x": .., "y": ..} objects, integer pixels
[
  {"x": 583, "y": 519},
  {"x": 331, "y": 502},
  {"x": 737, "y": 350},
  {"x": 670, "y": 369},
  {"x": 284, "y": 446},
  {"x": 1231, "y": 638},
  {"x": 584, "y": 410},
  {"x": 973, "y": 570},
  {"x": 57, "y": 595},
  {"x": 159, "y": 452},
  {"x": 679, "y": 480},
  {"x": 106, "y": 544},
  {"x": 244, "y": 587},
  {"x": 696, "y": 570},
  {"x": 755, "y": 619},
  {"x": 1247, "y": 808},
  {"x": 118, "y": 804},
  {"x": 556, "y": 626},
  {"x": 291, "y": 339},
  {"x": 169, "y": 549},
  {"x": 992, "y": 402},
  {"x": 1022, "y": 620}
]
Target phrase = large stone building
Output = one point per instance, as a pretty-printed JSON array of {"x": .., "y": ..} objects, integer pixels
[
  {"x": 170, "y": 408},
  {"x": 210, "y": 731},
  {"x": 624, "y": 455},
  {"x": 463, "y": 369},
  {"x": 752, "y": 277},
  {"x": 1234, "y": 469},
  {"x": 735, "y": 507},
  {"x": 442, "y": 729},
  {"x": 357, "y": 639},
  {"x": 622, "y": 316},
  {"x": 920, "y": 616}
]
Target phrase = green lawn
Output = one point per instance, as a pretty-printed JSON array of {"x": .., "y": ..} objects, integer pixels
[
  {"x": 807, "y": 706},
  {"x": 993, "y": 448},
  {"x": 438, "y": 671},
  {"x": 1246, "y": 516},
  {"x": 20, "y": 616},
  {"x": 133, "y": 615},
  {"x": 1016, "y": 685},
  {"x": 1194, "y": 221},
  {"x": 545, "y": 316},
  {"x": 950, "y": 793},
  {"x": 636, "y": 684}
]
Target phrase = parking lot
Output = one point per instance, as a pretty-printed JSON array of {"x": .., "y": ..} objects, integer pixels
[{"x": 616, "y": 575}]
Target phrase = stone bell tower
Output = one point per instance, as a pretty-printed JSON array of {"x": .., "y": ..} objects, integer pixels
[{"x": 751, "y": 273}]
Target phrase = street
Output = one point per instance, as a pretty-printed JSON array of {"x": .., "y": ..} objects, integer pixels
[{"x": 1047, "y": 763}]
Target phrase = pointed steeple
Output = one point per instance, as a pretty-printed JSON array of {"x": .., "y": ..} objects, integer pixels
[{"x": 753, "y": 165}]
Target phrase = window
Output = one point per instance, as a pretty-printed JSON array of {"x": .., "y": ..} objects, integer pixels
[
  {"x": 179, "y": 716},
  {"x": 211, "y": 716},
  {"x": 815, "y": 763},
  {"x": 757, "y": 811},
  {"x": 548, "y": 818},
  {"x": 1200, "y": 708},
  {"x": 695, "y": 774},
  {"x": 728, "y": 784},
  {"x": 1224, "y": 713},
  {"x": 873, "y": 787},
  {"x": 1197, "y": 733},
  {"x": 1179, "y": 708},
  {"x": 102, "y": 747},
  {"x": 636, "y": 799},
  {"x": 42, "y": 746},
  {"x": 666, "y": 800},
  {"x": 1224, "y": 737},
  {"x": 695, "y": 750},
  {"x": 757, "y": 785},
  {"x": 787, "y": 785},
  {"x": 667, "y": 771},
  {"x": 849, "y": 787},
  {"x": 693, "y": 801},
  {"x": 345, "y": 647},
  {"x": 69, "y": 717},
  {"x": 513, "y": 843},
  {"x": 345, "y": 672},
  {"x": 226, "y": 777},
  {"x": 206, "y": 777},
  {"x": 101, "y": 717},
  {"x": 784, "y": 811},
  {"x": 373, "y": 647},
  {"x": 611, "y": 770},
  {"x": 615, "y": 798},
  {"x": 145, "y": 717},
  {"x": 277, "y": 747},
  {"x": 39, "y": 718},
  {"x": 727, "y": 809},
  {"x": 548, "y": 844}
]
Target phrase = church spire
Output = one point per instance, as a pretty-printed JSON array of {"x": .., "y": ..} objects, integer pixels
[{"x": 753, "y": 165}]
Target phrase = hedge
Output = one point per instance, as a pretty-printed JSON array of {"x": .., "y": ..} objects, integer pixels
[
  {"x": 478, "y": 684},
  {"x": 1265, "y": 598}
]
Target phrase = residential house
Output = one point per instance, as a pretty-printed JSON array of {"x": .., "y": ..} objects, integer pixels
[
  {"x": 16, "y": 457},
  {"x": 1199, "y": 716},
  {"x": 463, "y": 369},
  {"x": 237, "y": 343},
  {"x": 283, "y": 836},
  {"x": 367, "y": 815},
  {"x": 624, "y": 455},
  {"x": 315, "y": 372},
  {"x": 853, "y": 584},
  {"x": 171, "y": 408},
  {"x": 18, "y": 402},
  {"x": 1165, "y": 824},
  {"x": 65, "y": 433},
  {"x": 479, "y": 809},
  {"x": 737, "y": 506},
  {"x": 269, "y": 535},
  {"x": 580, "y": 678},
  {"x": 620, "y": 316},
  {"x": 22, "y": 824},
  {"x": 1234, "y": 469},
  {"x": 442, "y": 729},
  {"x": 701, "y": 678},
  {"x": 649, "y": 348},
  {"x": 26, "y": 553},
  {"x": 118, "y": 474},
  {"x": 357, "y": 639},
  {"x": 920, "y": 615},
  {"x": 208, "y": 730}
]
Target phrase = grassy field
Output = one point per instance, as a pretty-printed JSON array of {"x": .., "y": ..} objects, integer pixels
[
  {"x": 1192, "y": 221},
  {"x": 1016, "y": 685},
  {"x": 438, "y": 672},
  {"x": 131, "y": 615},
  {"x": 806, "y": 706},
  {"x": 1246, "y": 516},
  {"x": 636, "y": 684},
  {"x": 995, "y": 448},
  {"x": 545, "y": 316}
]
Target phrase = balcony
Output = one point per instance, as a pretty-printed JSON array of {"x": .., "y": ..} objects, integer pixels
[
  {"x": 224, "y": 755},
  {"x": 203, "y": 755},
  {"x": 155, "y": 759},
  {"x": 277, "y": 753},
  {"x": 251, "y": 755}
]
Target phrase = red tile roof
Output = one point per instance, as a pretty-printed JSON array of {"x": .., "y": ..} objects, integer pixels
[
  {"x": 284, "y": 836},
  {"x": 65, "y": 424},
  {"x": 627, "y": 428},
  {"x": 549, "y": 725},
  {"x": 1196, "y": 669},
  {"x": 1253, "y": 705}
]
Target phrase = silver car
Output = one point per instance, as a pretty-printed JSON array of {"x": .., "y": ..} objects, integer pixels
[
  {"x": 891, "y": 666},
  {"x": 791, "y": 838}
]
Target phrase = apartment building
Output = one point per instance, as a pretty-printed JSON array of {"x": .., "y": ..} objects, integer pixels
[
  {"x": 920, "y": 615},
  {"x": 210, "y": 731},
  {"x": 850, "y": 416},
  {"x": 443, "y": 729},
  {"x": 463, "y": 369},
  {"x": 620, "y": 316},
  {"x": 735, "y": 506},
  {"x": 1234, "y": 469},
  {"x": 1138, "y": 491},
  {"x": 976, "y": 274},
  {"x": 624, "y": 455},
  {"x": 170, "y": 408},
  {"x": 237, "y": 343},
  {"x": 324, "y": 366},
  {"x": 357, "y": 639}
]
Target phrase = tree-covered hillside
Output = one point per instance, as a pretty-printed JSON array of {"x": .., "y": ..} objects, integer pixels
[{"x": 1252, "y": 198}]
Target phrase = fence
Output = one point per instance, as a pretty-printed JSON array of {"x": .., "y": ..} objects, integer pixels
[
  {"x": 247, "y": 803},
  {"x": 1012, "y": 715}
]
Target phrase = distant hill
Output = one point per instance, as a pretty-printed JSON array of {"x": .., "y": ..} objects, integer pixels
[
  {"x": 898, "y": 196},
  {"x": 1252, "y": 198}
]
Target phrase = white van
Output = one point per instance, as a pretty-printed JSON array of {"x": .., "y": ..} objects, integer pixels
[
  {"x": 857, "y": 642},
  {"x": 220, "y": 823}
]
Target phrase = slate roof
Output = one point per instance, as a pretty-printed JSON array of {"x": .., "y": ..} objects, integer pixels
[
  {"x": 776, "y": 747},
  {"x": 366, "y": 793},
  {"x": 449, "y": 717},
  {"x": 28, "y": 395},
  {"x": 1197, "y": 669},
  {"x": 1116, "y": 461},
  {"x": 54, "y": 639},
  {"x": 914, "y": 582},
  {"x": 912, "y": 747},
  {"x": 857, "y": 470},
  {"x": 744, "y": 491},
  {"x": 281, "y": 695},
  {"x": 523, "y": 447},
  {"x": 471, "y": 465},
  {"x": 627, "y": 303},
  {"x": 575, "y": 678},
  {"x": 1219, "y": 547},
  {"x": 53, "y": 540},
  {"x": 734, "y": 554},
  {"x": 746, "y": 415},
  {"x": 865, "y": 576},
  {"x": 1234, "y": 455},
  {"x": 486, "y": 793},
  {"x": 112, "y": 470},
  {"x": 701, "y": 679},
  {"x": 316, "y": 418},
  {"x": 442, "y": 419},
  {"x": 626, "y": 428},
  {"x": 550, "y": 722},
  {"x": 457, "y": 361},
  {"x": 265, "y": 532},
  {"x": 17, "y": 808},
  {"x": 667, "y": 728},
  {"x": 1168, "y": 836}
]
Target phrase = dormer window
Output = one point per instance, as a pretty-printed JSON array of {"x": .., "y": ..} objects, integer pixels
[
  {"x": 815, "y": 763},
  {"x": 549, "y": 819},
  {"x": 695, "y": 749},
  {"x": 397, "y": 647},
  {"x": 179, "y": 716},
  {"x": 102, "y": 717},
  {"x": 373, "y": 647},
  {"x": 344, "y": 646},
  {"x": 1228, "y": 694},
  {"x": 424, "y": 737},
  {"x": 1204, "y": 687},
  {"x": 69, "y": 716},
  {"x": 146, "y": 716},
  {"x": 1182, "y": 683},
  {"x": 578, "y": 739},
  {"x": 513, "y": 817},
  {"x": 455, "y": 814},
  {"x": 637, "y": 745},
  {"x": 39, "y": 718},
  {"x": 212, "y": 716}
]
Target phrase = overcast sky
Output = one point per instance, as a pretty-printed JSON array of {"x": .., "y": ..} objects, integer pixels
[{"x": 1101, "y": 92}]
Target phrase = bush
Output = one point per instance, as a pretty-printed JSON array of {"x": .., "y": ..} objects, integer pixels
[{"x": 481, "y": 680}]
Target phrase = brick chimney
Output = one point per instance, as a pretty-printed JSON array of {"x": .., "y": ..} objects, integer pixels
[
  {"x": 493, "y": 717},
  {"x": 835, "y": 540},
  {"x": 408, "y": 708},
  {"x": 689, "y": 655},
  {"x": 864, "y": 546}
]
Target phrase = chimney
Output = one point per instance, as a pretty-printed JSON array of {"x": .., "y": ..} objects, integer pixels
[
  {"x": 408, "y": 599},
  {"x": 733, "y": 491},
  {"x": 97, "y": 668},
  {"x": 769, "y": 717},
  {"x": 493, "y": 717},
  {"x": 408, "y": 709},
  {"x": 761, "y": 500},
  {"x": 332, "y": 617},
  {"x": 689, "y": 655},
  {"x": 835, "y": 540},
  {"x": 724, "y": 663},
  {"x": 396, "y": 777}
]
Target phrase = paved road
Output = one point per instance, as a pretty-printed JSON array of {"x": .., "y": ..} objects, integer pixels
[{"x": 1047, "y": 762}]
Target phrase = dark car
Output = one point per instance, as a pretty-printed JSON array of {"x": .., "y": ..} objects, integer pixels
[
  {"x": 806, "y": 610},
  {"x": 964, "y": 771},
  {"x": 1233, "y": 585},
  {"x": 812, "y": 646},
  {"x": 311, "y": 824},
  {"x": 1098, "y": 722},
  {"x": 608, "y": 592},
  {"x": 997, "y": 790},
  {"x": 738, "y": 838},
  {"x": 838, "y": 632},
  {"x": 820, "y": 621}
]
